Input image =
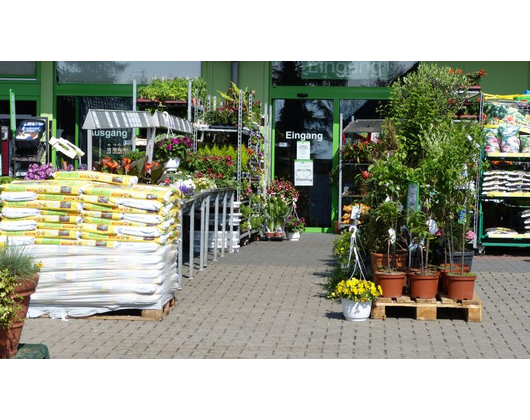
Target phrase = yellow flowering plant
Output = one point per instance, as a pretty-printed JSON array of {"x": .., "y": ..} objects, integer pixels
[{"x": 356, "y": 290}]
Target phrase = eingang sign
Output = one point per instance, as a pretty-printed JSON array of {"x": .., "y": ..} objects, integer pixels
[{"x": 345, "y": 70}]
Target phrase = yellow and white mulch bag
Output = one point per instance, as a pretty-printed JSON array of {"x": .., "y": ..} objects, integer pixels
[
  {"x": 16, "y": 240},
  {"x": 136, "y": 192},
  {"x": 96, "y": 176},
  {"x": 49, "y": 219},
  {"x": 19, "y": 213},
  {"x": 99, "y": 221},
  {"x": 44, "y": 187},
  {"x": 123, "y": 238},
  {"x": 107, "y": 215},
  {"x": 59, "y": 197},
  {"x": 23, "y": 225},
  {"x": 67, "y": 206},
  {"x": 141, "y": 231},
  {"x": 143, "y": 218},
  {"x": 147, "y": 205},
  {"x": 18, "y": 196},
  {"x": 47, "y": 233},
  {"x": 164, "y": 211},
  {"x": 57, "y": 226}
]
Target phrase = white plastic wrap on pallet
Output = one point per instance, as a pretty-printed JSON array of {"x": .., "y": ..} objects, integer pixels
[{"x": 82, "y": 281}]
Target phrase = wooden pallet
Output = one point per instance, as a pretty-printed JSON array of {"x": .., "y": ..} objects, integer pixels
[
  {"x": 427, "y": 309},
  {"x": 130, "y": 314},
  {"x": 135, "y": 314}
]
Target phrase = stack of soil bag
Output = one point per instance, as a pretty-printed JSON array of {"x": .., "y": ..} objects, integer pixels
[{"x": 106, "y": 242}]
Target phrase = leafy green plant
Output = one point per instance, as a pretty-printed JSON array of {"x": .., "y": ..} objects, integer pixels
[
  {"x": 16, "y": 264},
  {"x": 173, "y": 89},
  {"x": 19, "y": 261},
  {"x": 9, "y": 301},
  {"x": 421, "y": 99}
]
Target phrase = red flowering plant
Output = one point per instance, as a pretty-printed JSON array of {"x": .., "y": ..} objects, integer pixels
[
  {"x": 472, "y": 77},
  {"x": 358, "y": 150},
  {"x": 170, "y": 147},
  {"x": 295, "y": 224}
]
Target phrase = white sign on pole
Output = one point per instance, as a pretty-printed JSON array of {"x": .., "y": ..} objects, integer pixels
[
  {"x": 303, "y": 173},
  {"x": 303, "y": 150}
]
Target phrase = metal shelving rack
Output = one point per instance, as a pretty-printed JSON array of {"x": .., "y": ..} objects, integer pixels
[
  {"x": 240, "y": 131},
  {"x": 358, "y": 126},
  {"x": 515, "y": 201}
]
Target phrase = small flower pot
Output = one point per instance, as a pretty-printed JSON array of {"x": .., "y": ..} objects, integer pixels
[
  {"x": 460, "y": 287},
  {"x": 424, "y": 286},
  {"x": 391, "y": 283},
  {"x": 356, "y": 311}
]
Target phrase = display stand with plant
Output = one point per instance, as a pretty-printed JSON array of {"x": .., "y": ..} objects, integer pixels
[{"x": 18, "y": 281}]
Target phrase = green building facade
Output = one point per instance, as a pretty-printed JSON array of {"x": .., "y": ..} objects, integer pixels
[{"x": 307, "y": 100}]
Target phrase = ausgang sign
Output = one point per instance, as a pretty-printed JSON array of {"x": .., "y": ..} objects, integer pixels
[{"x": 345, "y": 70}]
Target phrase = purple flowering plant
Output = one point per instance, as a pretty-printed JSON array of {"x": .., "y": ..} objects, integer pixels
[
  {"x": 41, "y": 171},
  {"x": 172, "y": 147},
  {"x": 295, "y": 224},
  {"x": 188, "y": 191}
]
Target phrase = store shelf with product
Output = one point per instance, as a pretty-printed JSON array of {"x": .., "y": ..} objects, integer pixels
[
  {"x": 357, "y": 138},
  {"x": 504, "y": 199}
]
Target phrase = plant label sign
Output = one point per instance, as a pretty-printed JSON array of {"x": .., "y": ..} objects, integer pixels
[
  {"x": 303, "y": 172},
  {"x": 303, "y": 150}
]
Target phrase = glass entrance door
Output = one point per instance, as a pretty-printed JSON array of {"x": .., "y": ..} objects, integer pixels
[{"x": 303, "y": 151}]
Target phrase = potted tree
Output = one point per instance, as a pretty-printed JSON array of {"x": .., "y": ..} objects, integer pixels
[
  {"x": 424, "y": 281},
  {"x": 18, "y": 281},
  {"x": 390, "y": 275}
]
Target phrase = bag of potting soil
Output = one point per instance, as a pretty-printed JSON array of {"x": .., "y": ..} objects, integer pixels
[
  {"x": 44, "y": 187},
  {"x": 493, "y": 145},
  {"x": 57, "y": 226},
  {"x": 96, "y": 176},
  {"x": 59, "y": 197},
  {"x": 18, "y": 196},
  {"x": 18, "y": 225},
  {"x": 121, "y": 230},
  {"x": 18, "y": 213},
  {"x": 67, "y": 206},
  {"x": 510, "y": 142},
  {"x": 163, "y": 194},
  {"x": 17, "y": 240}
]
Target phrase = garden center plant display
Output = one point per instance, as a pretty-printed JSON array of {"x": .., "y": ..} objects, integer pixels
[
  {"x": 106, "y": 242},
  {"x": 420, "y": 143}
]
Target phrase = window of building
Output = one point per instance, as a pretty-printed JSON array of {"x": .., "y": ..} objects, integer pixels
[
  {"x": 18, "y": 69},
  {"x": 124, "y": 72},
  {"x": 339, "y": 73}
]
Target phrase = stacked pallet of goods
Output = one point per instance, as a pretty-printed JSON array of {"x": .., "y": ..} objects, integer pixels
[{"x": 106, "y": 242}]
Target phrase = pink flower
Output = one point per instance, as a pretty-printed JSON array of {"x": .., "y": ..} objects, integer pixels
[{"x": 470, "y": 235}]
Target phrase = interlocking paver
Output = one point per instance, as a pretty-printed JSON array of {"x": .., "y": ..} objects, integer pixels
[{"x": 267, "y": 301}]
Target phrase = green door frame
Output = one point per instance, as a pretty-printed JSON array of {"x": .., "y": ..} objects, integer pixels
[{"x": 336, "y": 93}]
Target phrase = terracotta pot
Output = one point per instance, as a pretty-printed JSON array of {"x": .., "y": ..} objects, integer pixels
[
  {"x": 424, "y": 286},
  {"x": 380, "y": 260},
  {"x": 9, "y": 338},
  {"x": 445, "y": 268},
  {"x": 391, "y": 283},
  {"x": 460, "y": 287}
]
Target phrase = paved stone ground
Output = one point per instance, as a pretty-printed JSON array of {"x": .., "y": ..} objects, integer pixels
[{"x": 267, "y": 302}]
